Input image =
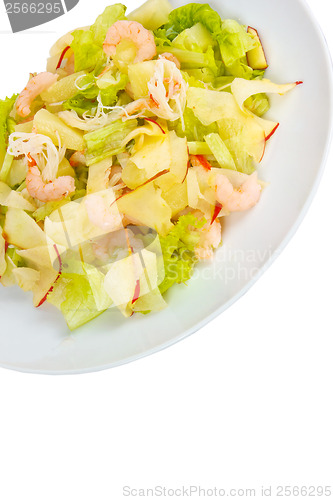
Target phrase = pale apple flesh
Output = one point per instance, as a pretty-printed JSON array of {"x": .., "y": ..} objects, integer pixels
[{"x": 256, "y": 58}]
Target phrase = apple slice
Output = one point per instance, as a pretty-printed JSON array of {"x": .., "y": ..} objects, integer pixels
[
  {"x": 26, "y": 278},
  {"x": 47, "y": 281},
  {"x": 147, "y": 206},
  {"x": 217, "y": 209},
  {"x": 21, "y": 230},
  {"x": 256, "y": 58}
]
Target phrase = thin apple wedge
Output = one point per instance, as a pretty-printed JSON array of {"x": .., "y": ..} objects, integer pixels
[
  {"x": 147, "y": 207},
  {"x": 243, "y": 89},
  {"x": 256, "y": 58},
  {"x": 21, "y": 230}
]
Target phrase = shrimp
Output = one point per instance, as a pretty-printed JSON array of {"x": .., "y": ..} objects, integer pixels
[
  {"x": 100, "y": 215},
  {"x": 135, "y": 32},
  {"x": 35, "y": 86},
  {"x": 78, "y": 159},
  {"x": 236, "y": 200},
  {"x": 210, "y": 239},
  {"x": 170, "y": 57},
  {"x": 117, "y": 244},
  {"x": 51, "y": 191}
]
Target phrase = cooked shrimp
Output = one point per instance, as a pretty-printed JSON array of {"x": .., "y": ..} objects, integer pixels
[
  {"x": 236, "y": 200},
  {"x": 100, "y": 215},
  {"x": 35, "y": 86},
  {"x": 116, "y": 244},
  {"x": 200, "y": 161},
  {"x": 78, "y": 159},
  {"x": 51, "y": 191},
  {"x": 135, "y": 32},
  {"x": 210, "y": 239},
  {"x": 170, "y": 57}
]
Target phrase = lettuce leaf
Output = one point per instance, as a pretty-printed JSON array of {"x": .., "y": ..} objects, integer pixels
[
  {"x": 111, "y": 14},
  {"x": 86, "y": 99},
  {"x": 5, "y": 108},
  {"x": 258, "y": 104},
  {"x": 234, "y": 42},
  {"x": 187, "y": 16},
  {"x": 74, "y": 296},
  {"x": 107, "y": 141},
  {"x": 231, "y": 37},
  {"x": 220, "y": 151},
  {"x": 178, "y": 251},
  {"x": 45, "y": 210},
  {"x": 88, "y": 45},
  {"x": 86, "y": 52},
  {"x": 194, "y": 129}
]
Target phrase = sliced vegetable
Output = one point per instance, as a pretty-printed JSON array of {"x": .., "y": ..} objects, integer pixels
[
  {"x": 220, "y": 151},
  {"x": 146, "y": 206},
  {"x": 53, "y": 127},
  {"x": 107, "y": 141},
  {"x": 21, "y": 230}
]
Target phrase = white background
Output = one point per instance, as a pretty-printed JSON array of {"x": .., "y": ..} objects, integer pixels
[{"x": 245, "y": 402}]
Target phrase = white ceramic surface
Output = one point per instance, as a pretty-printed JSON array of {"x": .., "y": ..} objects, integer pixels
[{"x": 38, "y": 340}]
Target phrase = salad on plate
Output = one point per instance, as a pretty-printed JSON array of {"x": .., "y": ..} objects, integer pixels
[{"x": 118, "y": 163}]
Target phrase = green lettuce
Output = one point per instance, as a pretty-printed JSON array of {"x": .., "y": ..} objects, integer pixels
[
  {"x": 76, "y": 300},
  {"x": 45, "y": 210},
  {"x": 234, "y": 42},
  {"x": 88, "y": 45},
  {"x": 111, "y": 14},
  {"x": 194, "y": 129},
  {"x": 231, "y": 37},
  {"x": 187, "y": 16},
  {"x": 220, "y": 151},
  {"x": 5, "y": 108},
  {"x": 178, "y": 250},
  {"x": 86, "y": 99},
  {"x": 107, "y": 141},
  {"x": 79, "y": 293},
  {"x": 258, "y": 104}
]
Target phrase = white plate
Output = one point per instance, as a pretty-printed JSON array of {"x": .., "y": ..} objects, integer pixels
[{"x": 38, "y": 340}]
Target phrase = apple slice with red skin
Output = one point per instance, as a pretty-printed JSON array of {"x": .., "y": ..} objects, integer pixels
[
  {"x": 200, "y": 161},
  {"x": 62, "y": 56},
  {"x": 256, "y": 58},
  {"x": 44, "y": 298},
  {"x": 217, "y": 209},
  {"x": 155, "y": 122},
  {"x": 136, "y": 292}
]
